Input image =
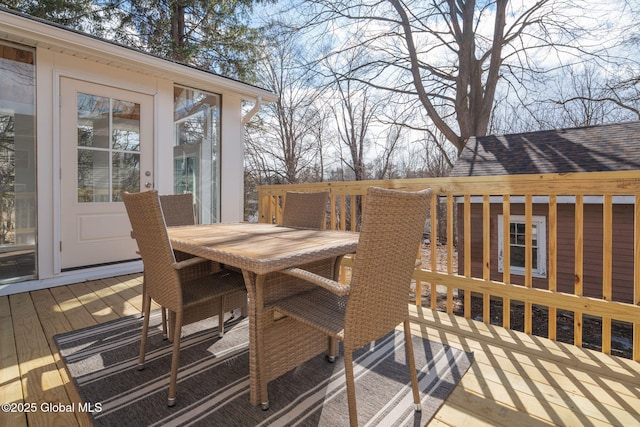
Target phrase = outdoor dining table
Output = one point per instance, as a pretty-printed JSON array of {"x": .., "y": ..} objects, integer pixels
[{"x": 261, "y": 250}]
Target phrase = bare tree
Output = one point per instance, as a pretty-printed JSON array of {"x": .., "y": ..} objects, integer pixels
[
  {"x": 354, "y": 111},
  {"x": 599, "y": 95},
  {"x": 452, "y": 55},
  {"x": 384, "y": 165},
  {"x": 288, "y": 143},
  {"x": 590, "y": 100},
  {"x": 581, "y": 96}
]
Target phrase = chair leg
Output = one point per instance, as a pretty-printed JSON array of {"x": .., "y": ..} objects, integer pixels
[
  {"x": 175, "y": 360},
  {"x": 412, "y": 366},
  {"x": 332, "y": 349},
  {"x": 144, "y": 296},
  {"x": 145, "y": 330},
  {"x": 351, "y": 387},
  {"x": 221, "y": 302},
  {"x": 165, "y": 334},
  {"x": 147, "y": 303}
]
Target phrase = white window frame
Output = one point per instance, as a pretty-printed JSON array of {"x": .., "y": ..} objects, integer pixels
[{"x": 541, "y": 223}]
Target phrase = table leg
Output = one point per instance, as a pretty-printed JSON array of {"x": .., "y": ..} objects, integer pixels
[
  {"x": 254, "y": 375},
  {"x": 260, "y": 351},
  {"x": 332, "y": 343}
]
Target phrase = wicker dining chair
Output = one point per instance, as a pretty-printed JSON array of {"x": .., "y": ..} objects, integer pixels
[
  {"x": 185, "y": 288},
  {"x": 177, "y": 209},
  {"x": 376, "y": 299},
  {"x": 305, "y": 209}
]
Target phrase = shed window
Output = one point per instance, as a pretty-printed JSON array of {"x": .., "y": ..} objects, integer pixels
[{"x": 517, "y": 240}]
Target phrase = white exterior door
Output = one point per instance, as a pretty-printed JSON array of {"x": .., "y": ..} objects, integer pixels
[{"x": 106, "y": 145}]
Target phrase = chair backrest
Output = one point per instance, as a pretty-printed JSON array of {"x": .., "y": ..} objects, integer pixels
[
  {"x": 161, "y": 279},
  {"x": 305, "y": 210},
  {"x": 392, "y": 228},
  {"x": 178, "y": 209}
]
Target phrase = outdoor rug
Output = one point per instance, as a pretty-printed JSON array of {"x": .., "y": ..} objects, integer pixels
[{"x": 213, "y": 382}]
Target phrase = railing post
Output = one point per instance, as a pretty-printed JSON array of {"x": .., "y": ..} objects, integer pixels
[{"x": 263, "y": 206}]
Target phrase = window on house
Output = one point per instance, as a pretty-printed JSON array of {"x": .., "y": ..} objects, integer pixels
[
  {"x": 196, "y": 151},
  {"x": 18, "y": 226},
  {"x": 517, "y": 243}
]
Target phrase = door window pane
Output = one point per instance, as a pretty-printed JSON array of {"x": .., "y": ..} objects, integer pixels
[
  {"x": 93, "y": 121},
  {"x": 108, "y": 148},
  {"x": 93, "y": 174},
  {"x": 126, "y": 126},
  {"x": 126, "y": 174},
  {"x": 18, "y": 226}
]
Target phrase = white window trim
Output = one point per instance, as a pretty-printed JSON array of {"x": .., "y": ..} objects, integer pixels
[{"x": 541, "y": 223}]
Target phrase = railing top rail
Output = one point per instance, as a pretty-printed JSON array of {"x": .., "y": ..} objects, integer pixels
[{"x": 587, "y": 183}]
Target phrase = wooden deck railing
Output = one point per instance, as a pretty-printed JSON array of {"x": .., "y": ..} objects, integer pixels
[{"x": 601, "y": 283}]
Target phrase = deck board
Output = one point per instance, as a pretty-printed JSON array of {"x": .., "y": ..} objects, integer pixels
[
  {"x": 100, "y": 312},
  {"x": 54, "y": 321},
  {"x": 112, "y": 299},
  {"x": 515, "y": 379},
  {"x": 41, "y": 381},
  {"x": 129, "y": 290},
  {"x": 10, "y": 385},
  {"x": 77, "y": 310}
]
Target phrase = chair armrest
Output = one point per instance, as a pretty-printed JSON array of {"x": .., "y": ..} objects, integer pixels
[
  {"x": 189, "y": 262},
  {"x": 316, "y": 279}
]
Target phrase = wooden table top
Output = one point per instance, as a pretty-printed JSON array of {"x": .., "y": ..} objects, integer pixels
[{"x": 261, "y": 248}]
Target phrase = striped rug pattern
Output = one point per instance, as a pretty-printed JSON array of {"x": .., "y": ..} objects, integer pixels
[{"x": 213, "y": 382}]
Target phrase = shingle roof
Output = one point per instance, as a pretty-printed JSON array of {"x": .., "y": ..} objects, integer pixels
[{"x": 611, "y": 147}]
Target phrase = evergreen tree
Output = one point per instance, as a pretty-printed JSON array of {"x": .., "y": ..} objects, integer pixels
[
  {"x": 81, "y": 15},
  {"x": 214, "y": 35}
]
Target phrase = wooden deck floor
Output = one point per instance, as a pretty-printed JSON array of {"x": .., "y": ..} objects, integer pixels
[{"x": 515, "y": 379}]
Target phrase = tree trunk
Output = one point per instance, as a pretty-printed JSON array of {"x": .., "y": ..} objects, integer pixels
[{"x": 178, "y": 35}]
